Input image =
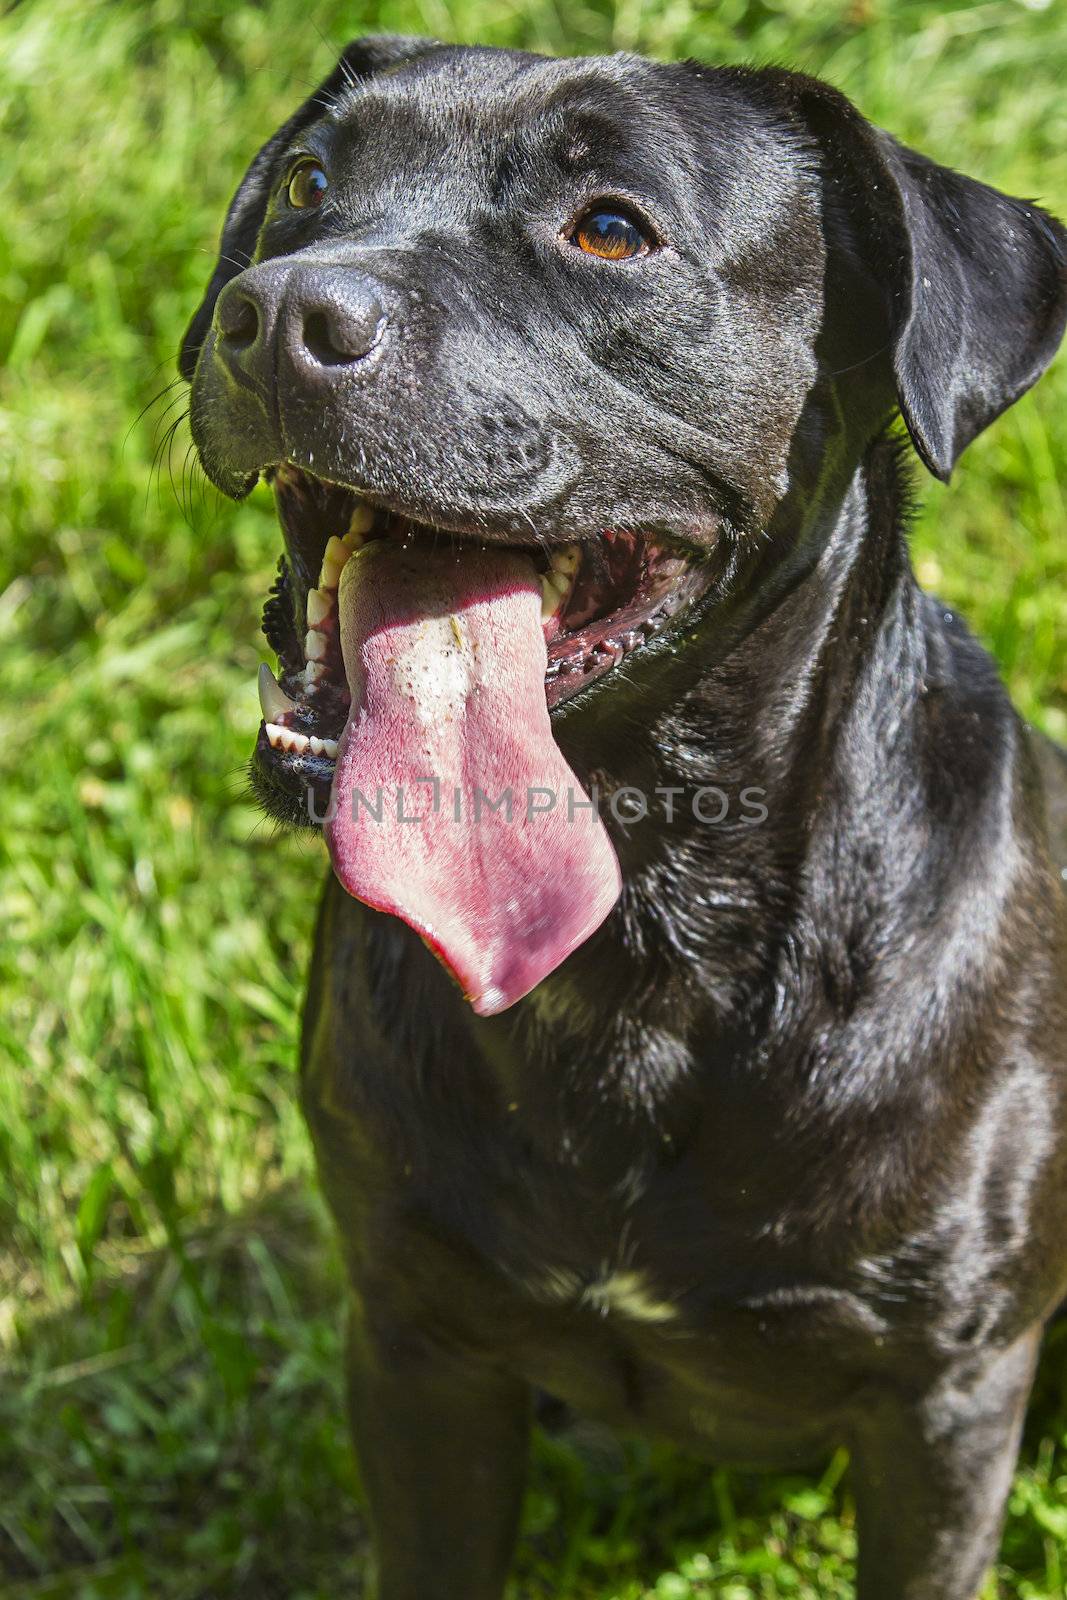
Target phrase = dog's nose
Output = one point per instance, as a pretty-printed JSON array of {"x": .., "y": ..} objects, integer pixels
[
  {"x": 331, "y": 318},
  {"x": 320, "y": 317}
]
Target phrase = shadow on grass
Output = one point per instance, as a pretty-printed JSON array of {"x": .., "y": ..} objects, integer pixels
[{"x": 178, "y": 1434}]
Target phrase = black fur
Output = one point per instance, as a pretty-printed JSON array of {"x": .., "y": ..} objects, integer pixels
[{"x": 778, "y": 1159}]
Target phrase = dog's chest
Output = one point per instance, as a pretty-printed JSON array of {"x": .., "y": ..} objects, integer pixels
[
  {"x": 633, "y": 1262},
  {"x": 556, "y": 1170},
  {"x": 641, "y": 1309}
]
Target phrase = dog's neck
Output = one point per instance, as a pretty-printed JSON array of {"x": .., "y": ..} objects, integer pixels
[
  {"x": 740, "y": 953},
  {"x": 760, "y": 692},
  {"x": 814, "y": 711}
]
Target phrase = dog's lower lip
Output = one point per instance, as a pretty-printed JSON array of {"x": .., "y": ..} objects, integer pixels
[{"x": 602, "y": 599}]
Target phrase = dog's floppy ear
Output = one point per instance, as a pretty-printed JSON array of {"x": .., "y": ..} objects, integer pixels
[
  {"x": 976, "y": 280},
  {"x": 360, "y": 59}
]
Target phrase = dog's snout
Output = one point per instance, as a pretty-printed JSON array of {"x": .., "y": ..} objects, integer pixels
[{"x": 319, "y": 318}]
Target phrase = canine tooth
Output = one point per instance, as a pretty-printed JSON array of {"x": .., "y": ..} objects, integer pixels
[
  {"x": 334, "y": 558},
  {"x": 320, "y": 604},
  {"x": 329, "y": 748},
  {"x": 273, "y": 701},
  {"x": 314, "y": 644}
]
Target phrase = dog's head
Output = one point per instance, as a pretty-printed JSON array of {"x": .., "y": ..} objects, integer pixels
[{"x": 611, "y": 315}]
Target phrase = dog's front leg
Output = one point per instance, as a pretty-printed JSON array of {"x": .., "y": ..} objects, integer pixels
[
  {"x": 442, "y": 1444},
  {"x": 931, "y": 1479}
]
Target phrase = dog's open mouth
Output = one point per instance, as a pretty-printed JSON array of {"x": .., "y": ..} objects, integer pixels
[
  {"x": 601, "y": 599},
  {"x": 417, "y": 668}
]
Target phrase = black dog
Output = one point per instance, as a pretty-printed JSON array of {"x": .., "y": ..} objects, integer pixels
[{"x": 772, "y": 1155}]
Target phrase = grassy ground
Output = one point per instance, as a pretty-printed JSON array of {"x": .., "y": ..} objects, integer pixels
[{"x": 169, "y": 1301}]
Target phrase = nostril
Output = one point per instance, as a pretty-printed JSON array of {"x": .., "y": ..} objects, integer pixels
[
  {"x": 330, "y": 319},
  {"x": 239, "y": 322},
  {"x": 332, "y": 346}
]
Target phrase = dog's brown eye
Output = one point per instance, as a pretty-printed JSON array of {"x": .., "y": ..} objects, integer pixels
[
  {"x": 307, "y": 185},
  {"x": 610, "y": 235}
]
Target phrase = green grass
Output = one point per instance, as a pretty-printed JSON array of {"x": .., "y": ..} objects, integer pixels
[{"x": 169, "y": 1295}]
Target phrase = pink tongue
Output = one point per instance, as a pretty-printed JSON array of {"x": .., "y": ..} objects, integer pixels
[{"x": 445, "y": 657}]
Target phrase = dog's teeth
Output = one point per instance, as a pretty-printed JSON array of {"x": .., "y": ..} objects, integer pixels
[
  {"x": 361, "y": 521},
  {"x": 550, "y": 596},
  {"x": 334, "y": 558},
  {"x": 320, "y": 604},
  {"x": 314, "y": 645},
  {"x": 323, "y": 747},
  {"x": 312, "y": 673},
  {"x": 566, "y": 559},
  {"x": 273, "y": 701},
  {"x": 555, "y": 586},
  {"x": 287, "y": 739}
]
